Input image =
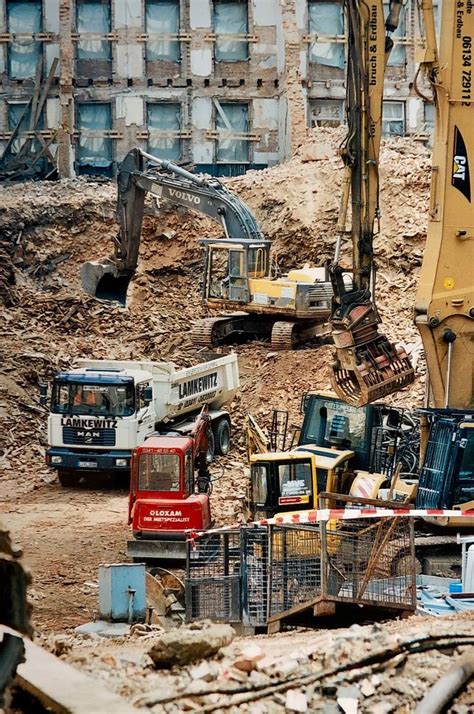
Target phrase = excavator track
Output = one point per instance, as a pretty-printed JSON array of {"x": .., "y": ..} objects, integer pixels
[
  {"x": 211, "y": 331},
  {"x": 283, "y": 336},
  {"x": 288, "y": 335}
]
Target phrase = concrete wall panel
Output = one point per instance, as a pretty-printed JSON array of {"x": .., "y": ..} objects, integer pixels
[
  {"x": 129, "y": 108},
  {"x": 53, "y": 113},
  {"x": 201, "y": 62},
  {"x": 128, "y": 13},
  {"x": 129, "y": 60},
  {"x": 202, "y": 113},
  {"x": 265, "y": 55},
  {"x": 203, "y": 152},
  {"x": 301, "y": 15},
  {"x": 265, "y": 113},
  {"x": 199, "y": 13},
  {"x": 51, "y": 53},
  {"x": 414, "y": 113},
  {"x": 50, "y": 16},
  {"x": 266, "y": 157},
  {"x": 264, "y": 12}
]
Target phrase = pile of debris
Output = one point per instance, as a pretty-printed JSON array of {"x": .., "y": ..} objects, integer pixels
[{"x": 377, "y": 669}]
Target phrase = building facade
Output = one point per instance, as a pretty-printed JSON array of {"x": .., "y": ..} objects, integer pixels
[{"x": 222, "y": 85}]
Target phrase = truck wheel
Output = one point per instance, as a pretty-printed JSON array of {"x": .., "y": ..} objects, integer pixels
[
  {"x": 68, "y": 478},
  {"x": 222, "y": 437},
  {"x": 211, "y": 446}
]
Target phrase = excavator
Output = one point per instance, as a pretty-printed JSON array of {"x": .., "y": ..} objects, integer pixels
[
  {"x": 338, "y": 438},
  {"x": 238, "y": 273},
  {"x": 367, "y": 365}
]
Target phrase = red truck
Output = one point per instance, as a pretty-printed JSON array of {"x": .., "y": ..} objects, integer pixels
[{"x": 170, "y": 489}]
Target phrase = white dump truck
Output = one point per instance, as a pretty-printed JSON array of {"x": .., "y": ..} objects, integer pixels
[{"x": 103, "y": 409}]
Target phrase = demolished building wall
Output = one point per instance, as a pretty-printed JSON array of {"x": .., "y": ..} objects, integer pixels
[{"x": 222, "y": 85}]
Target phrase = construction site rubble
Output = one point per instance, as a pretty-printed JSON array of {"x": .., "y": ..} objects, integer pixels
[
  {"x": 47, "y": 231},
  {"x": 371, "y": 668},
  {"x": 48, "y": 322}
]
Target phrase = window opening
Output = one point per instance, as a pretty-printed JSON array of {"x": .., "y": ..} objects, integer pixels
[
  {"x": 231, "y": 18},
  {"x": 327, "y": 112},
  {"x": 23, "y": 53},
  {"x": 141, "y": 401},
  {"x": 94, "y": 147},
  {"x": 327, "y": 19},
  {"x": 188, "y": 471},
  {"x": 158, "y": 472},
  {"x": 93, "y": 17},
  {"x": 164, "y": 125},
  {"x": 295, "y": 479},
  {"x": 162, "y": 17},
  {"x": 16, "y": 111},
  {"x": 232, "y": 119},
  {"x": 398, "y": 54},
  {"x": 259, "y": 484},
  {"x": 393, "y": 119}
]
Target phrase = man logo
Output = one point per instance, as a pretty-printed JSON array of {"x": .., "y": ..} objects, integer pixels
[{"x": 460, "y": 177}]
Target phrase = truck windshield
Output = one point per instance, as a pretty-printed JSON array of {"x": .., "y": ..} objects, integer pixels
[
  {"x": 259, "y": 483},
  {"x": 158, "y": 472},
  {"x": 96, "y": 399},
  {"x": 295, "y": 479}
]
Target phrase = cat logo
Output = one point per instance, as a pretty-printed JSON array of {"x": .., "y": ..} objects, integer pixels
[
  {"x": 459, "y": 167},
  {"x": 460, "y": 177}
]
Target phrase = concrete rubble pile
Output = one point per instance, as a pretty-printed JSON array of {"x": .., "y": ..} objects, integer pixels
[
  {"x": 376, "y": 669},
  {"x": 49, "y": 229}
]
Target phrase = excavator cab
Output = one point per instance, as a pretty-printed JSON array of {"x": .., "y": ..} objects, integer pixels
[{"x": 229, "y": 265}]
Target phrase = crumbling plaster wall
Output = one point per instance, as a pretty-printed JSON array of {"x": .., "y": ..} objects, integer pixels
[{"x": 277, "y": 80}]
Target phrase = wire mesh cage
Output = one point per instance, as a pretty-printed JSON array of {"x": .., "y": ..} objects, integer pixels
[
  {"x": 254, "y": 573},
  {"x": 213, "y": 583},
  {"x": 371, "y": 562}
]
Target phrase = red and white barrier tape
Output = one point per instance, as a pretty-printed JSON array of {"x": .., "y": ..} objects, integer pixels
[{"x": 344, "y": 514}]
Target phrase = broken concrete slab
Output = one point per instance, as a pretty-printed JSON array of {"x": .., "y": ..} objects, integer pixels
[{"x": 186, "y": 645}]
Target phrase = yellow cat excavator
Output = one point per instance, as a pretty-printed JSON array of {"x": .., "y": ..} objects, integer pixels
[{"x": 444, "y": 307}]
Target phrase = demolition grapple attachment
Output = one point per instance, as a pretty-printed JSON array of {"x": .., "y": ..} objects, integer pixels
[{"x": 368, "y": 366}]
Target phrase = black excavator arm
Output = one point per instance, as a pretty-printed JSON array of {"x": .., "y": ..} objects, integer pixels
[
  {"x": 367, "y": 365},
  {"x": 142, "y": 173}
]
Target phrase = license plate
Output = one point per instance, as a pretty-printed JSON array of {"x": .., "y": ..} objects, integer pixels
[{"x": 87, "y": 464}]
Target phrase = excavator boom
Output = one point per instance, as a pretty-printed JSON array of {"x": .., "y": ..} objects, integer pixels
[
  {"x": 142, "y": 173},
  {"x": 367, "y": 365},
  {"x": 444, "y": 309}
]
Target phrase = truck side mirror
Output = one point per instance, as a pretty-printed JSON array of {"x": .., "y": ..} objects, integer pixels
[
  {"x": 43, "y": 389},
  {"x": 148, "y": 395}
]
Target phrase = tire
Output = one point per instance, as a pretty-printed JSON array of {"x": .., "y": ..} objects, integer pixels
[
  {"x": 222, "y": 437},
  {"x": 211, "y": 446},
  {"x": 68, "y": 478}
]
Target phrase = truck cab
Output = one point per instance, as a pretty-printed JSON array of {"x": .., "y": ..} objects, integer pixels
[
  {"x": 96, "y": 418},
  {"x": 163, "y": 502},
  {"x": 286, "y": 482}
]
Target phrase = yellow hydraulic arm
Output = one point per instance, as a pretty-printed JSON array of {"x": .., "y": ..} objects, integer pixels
[
  {"x": 445, "y": 300},
  {"x": 367, "y": 366}
]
